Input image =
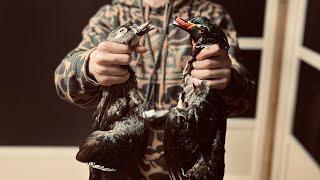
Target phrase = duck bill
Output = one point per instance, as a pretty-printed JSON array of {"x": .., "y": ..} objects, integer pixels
[
  {"x": 144, "y": 28},
  {"x": 183, "y": 24}
]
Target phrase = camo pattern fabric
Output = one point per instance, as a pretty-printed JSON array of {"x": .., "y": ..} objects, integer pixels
[{"x": 75, "y": 85}]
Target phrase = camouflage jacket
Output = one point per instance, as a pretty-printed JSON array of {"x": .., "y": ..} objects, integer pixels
[{"x": 74, "y": 85}]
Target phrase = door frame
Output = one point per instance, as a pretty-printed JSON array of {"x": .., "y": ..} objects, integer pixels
[{"x": 294, "y": 53}]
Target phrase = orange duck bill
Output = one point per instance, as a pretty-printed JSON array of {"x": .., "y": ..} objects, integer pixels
[{"x": 183, "y": 24}]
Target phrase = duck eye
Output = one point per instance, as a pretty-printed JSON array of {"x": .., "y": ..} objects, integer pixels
[
  {"x": 203, "y": 28},
  {"x": 122, "y": 30}
]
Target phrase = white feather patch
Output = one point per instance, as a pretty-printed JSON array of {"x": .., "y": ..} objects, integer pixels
[{"x": 100, "y": 167}]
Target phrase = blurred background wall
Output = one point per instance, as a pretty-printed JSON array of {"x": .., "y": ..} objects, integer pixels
[{"x": 39, "y": 132}]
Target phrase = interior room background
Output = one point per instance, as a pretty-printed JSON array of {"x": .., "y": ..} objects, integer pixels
[{"x": 278, "y": 137}]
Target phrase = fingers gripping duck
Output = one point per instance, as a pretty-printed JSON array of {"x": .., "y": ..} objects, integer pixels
[
  {"x": 189, "y": 152},
  {"x": 119, "y": 136}
]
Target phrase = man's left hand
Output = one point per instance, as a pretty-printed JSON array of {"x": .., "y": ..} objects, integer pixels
[{"x": 214, "y": 65}]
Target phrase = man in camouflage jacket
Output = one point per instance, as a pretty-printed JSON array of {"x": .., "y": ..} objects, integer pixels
[{"x": 76, "y": 84}]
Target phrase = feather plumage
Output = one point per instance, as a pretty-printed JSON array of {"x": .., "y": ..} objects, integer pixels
[
  {"x": 119, "y": 136},
  {"x": 195, "y": 129}
]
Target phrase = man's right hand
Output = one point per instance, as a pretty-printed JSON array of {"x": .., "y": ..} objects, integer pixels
[{"x": 108, "y": 62}]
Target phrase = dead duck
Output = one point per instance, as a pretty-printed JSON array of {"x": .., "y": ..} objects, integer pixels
[
  {"x": 119, "y": 135},
  {"x": 195, "y": 130}
]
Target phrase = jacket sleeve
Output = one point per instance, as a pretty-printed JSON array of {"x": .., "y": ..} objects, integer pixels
[
  {"x": 72, "y": 80},
  {"x": 236, "y": 94}
]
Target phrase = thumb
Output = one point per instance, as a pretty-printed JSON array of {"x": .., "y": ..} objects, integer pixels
[{"x": 140, "y": 49}]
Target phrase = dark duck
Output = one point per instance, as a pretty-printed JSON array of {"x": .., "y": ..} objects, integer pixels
[
  {"x": 119, "y": 136},
  {"x": 195, "y": 130}
]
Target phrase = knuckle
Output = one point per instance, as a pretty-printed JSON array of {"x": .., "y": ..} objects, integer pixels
[
  {"x": 126, "y": 78},
  {"x": 100, "y": 52},
  {"x": 216, "y": 47},
  {"x": 200, "y": 55},
  {"x": 194, "y": 73},
  {"x": 95, "y": 54},
  {"x": 99, "y": 56},
  {"x": 127, "y": 48},
  {"x": 127, "y": 58},
  {"x": 228, "y": 71},
  {"x": 127, "y": 75},
  {"x": 195, "y": 64},
  {"x": 103, "y": 44},
  {"x": 122, "y": 48},
  {"x": 224, "y": 80},
  {"x": 124, "y": 71}
]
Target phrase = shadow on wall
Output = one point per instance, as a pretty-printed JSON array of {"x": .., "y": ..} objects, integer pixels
[{"x": 36, "y": 38}]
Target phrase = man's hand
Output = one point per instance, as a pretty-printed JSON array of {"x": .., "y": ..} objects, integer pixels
[
  {"x": 108, "y": 62},
  {"x": 214, "y": 65}
]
